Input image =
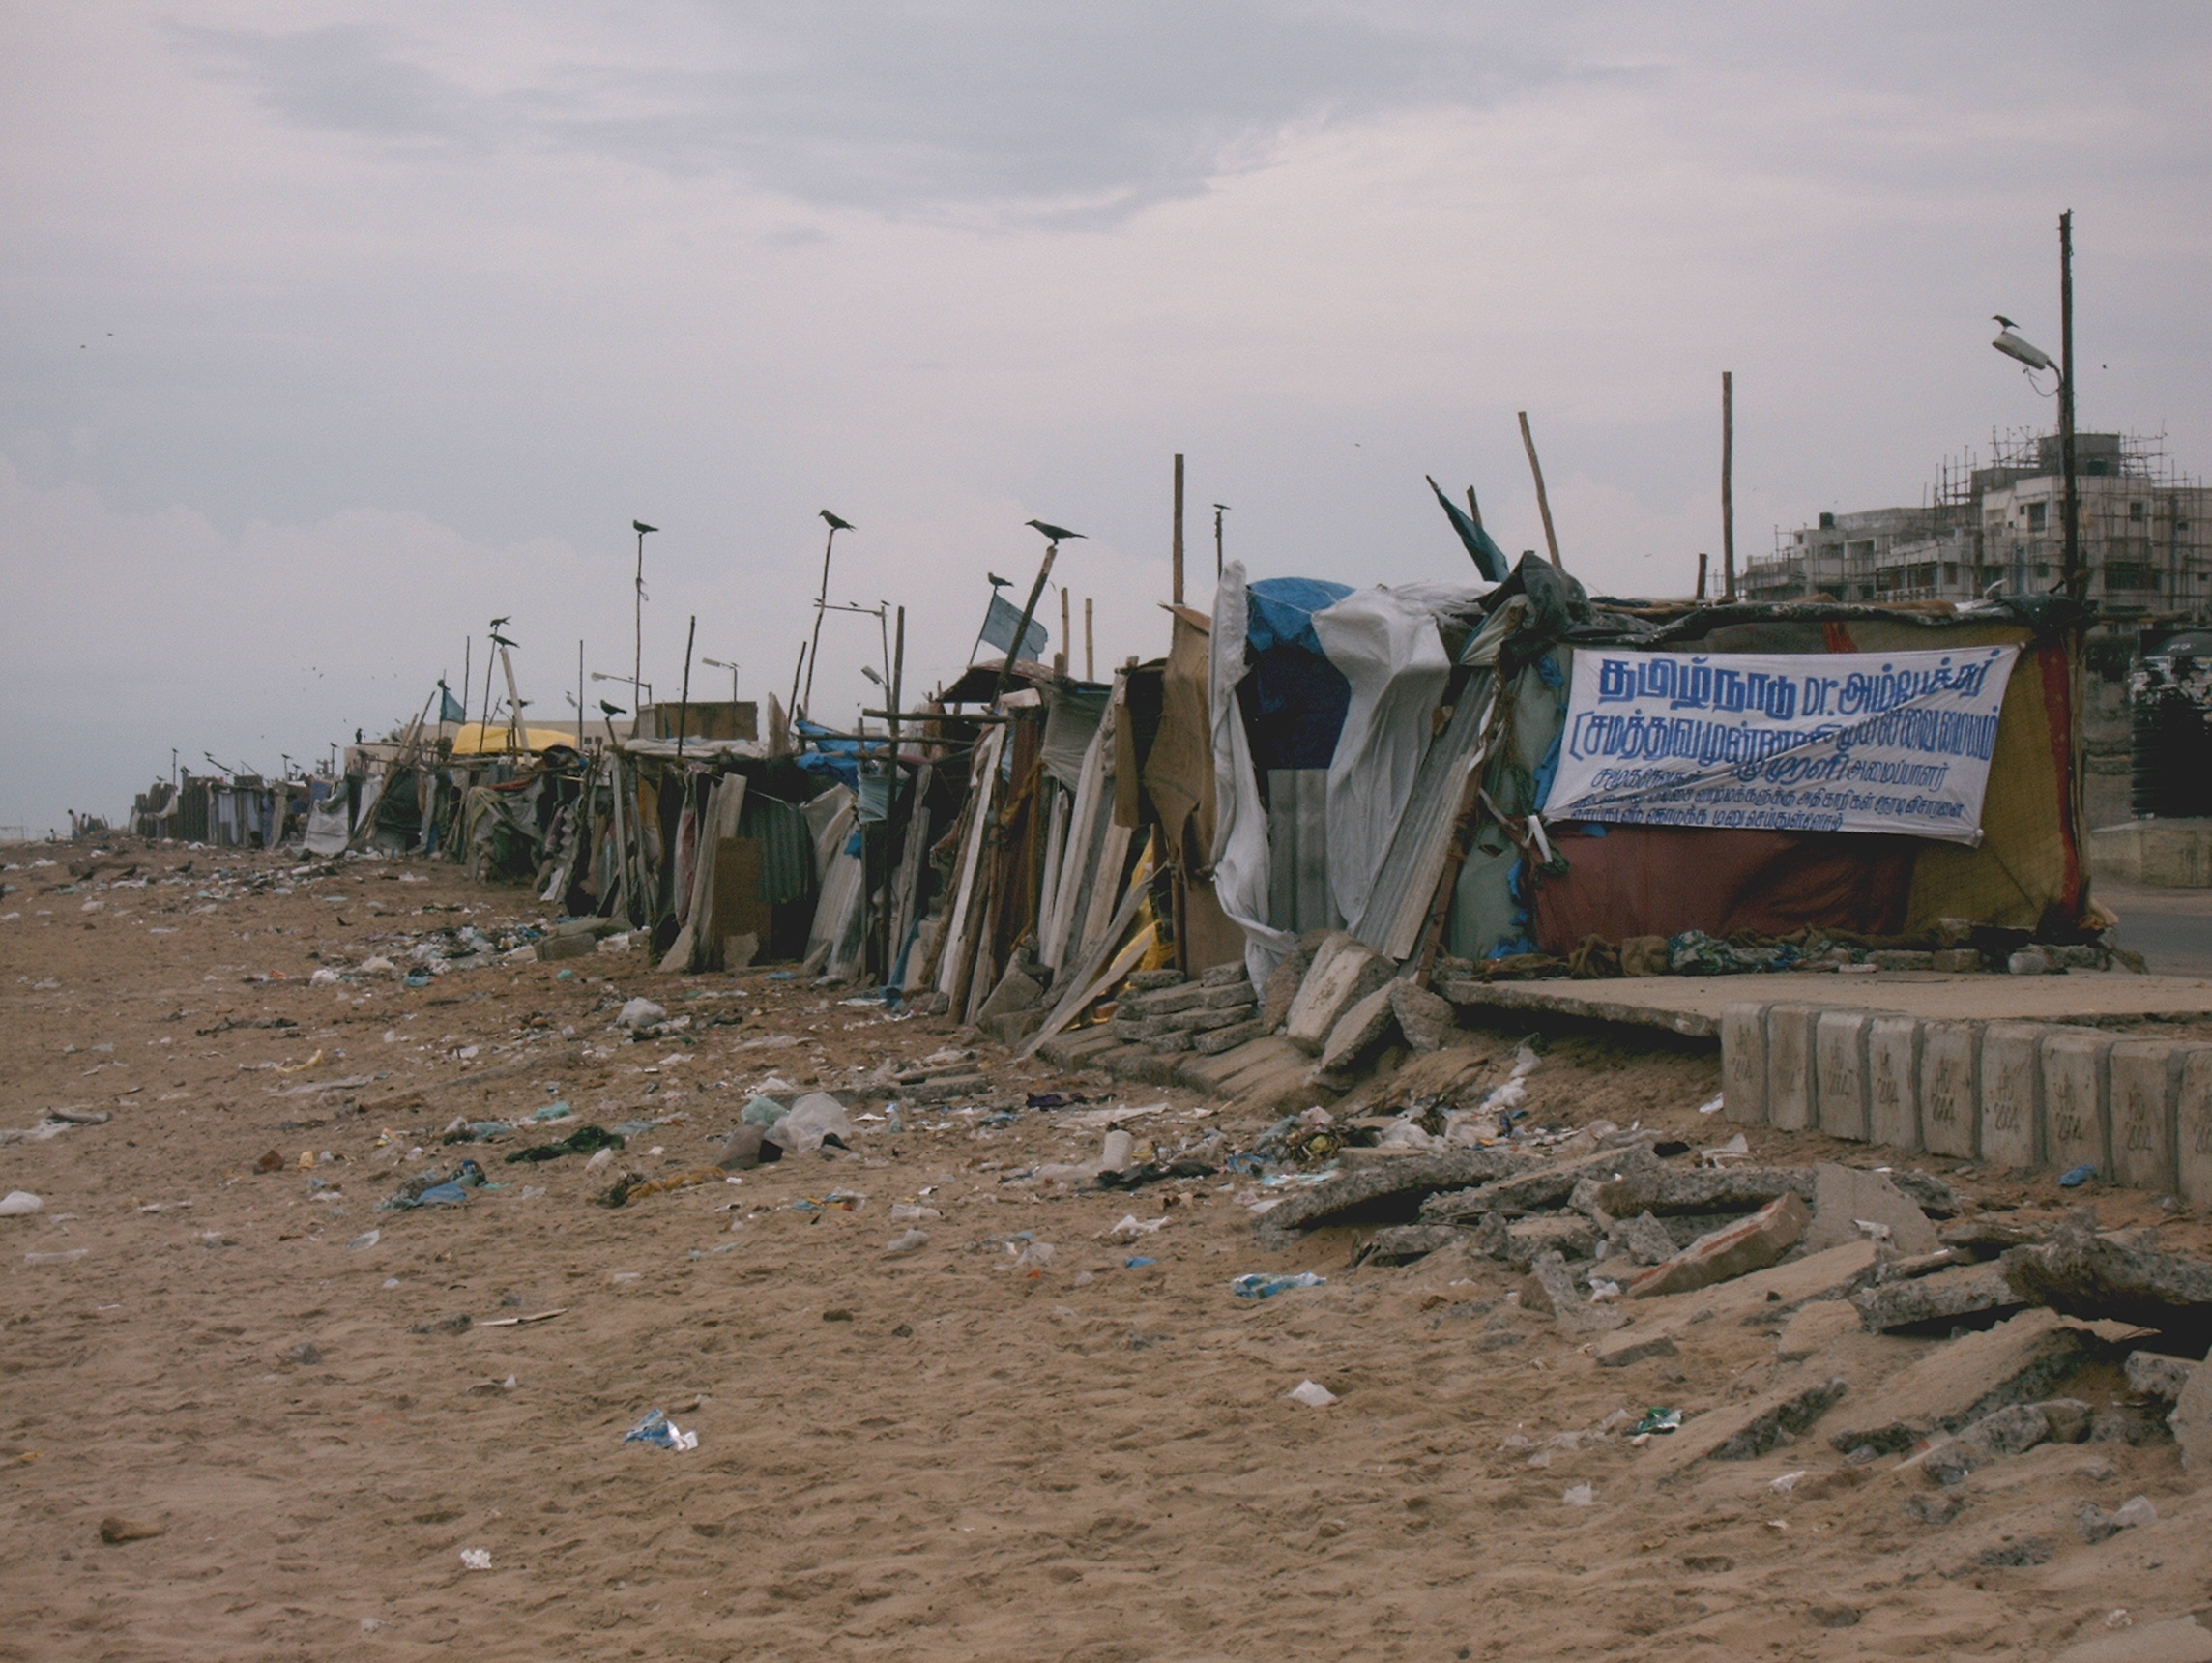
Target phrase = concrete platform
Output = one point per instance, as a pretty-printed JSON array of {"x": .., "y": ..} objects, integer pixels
[
  {"x": 1693, "y": 1005},
  {"x": 2169, "y": 854}
]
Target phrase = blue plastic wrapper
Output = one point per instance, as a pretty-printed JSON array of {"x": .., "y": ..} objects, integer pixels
[{"x": 1254, "y": 1286}]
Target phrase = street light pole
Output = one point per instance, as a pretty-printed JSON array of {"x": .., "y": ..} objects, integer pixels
[
  {"x": 814, "y": 648},
  {"x": 637, "y": 615}
]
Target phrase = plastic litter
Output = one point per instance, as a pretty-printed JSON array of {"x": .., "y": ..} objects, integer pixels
[
  {"x": 1580, "y": 1496},
  {"x": 20, "y": 1202},
  {"x": 662, "y": 1433},
  {"x": 1788, "y": 1482},
  {"x": 553, "y": 1111},
  {"x": 367, "y": 1238},
  {"x": 1034, "y": 1257},
  {"x": 763, "y": 1112},
  {"x": 476, "y": 1559},
  {"x": 70, "y": 1257},
  {"x": 1133, "y": 1228},
  {"x": 1713, "y": 1107},
  {"x": 1312, "y": 1393},
  {"x": 1137, "y": 1262},
  {"x": 2076, "y": 1178},
  {"x": 1119, "y": 1149},
  {"x": 1660, "y": 1420},
  {"x": 908, "y": 1242},
  {"x": 814, "y": 1120},
  {"x": 1254, "y": 1286},
  {"x": 637, "y": 1013}
]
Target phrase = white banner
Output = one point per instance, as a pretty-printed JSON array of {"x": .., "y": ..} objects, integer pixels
[{"x": 1784, "y": 742}]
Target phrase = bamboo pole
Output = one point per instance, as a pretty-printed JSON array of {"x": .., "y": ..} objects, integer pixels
[
  {"x": 1177, "y": 585},
  {"x": 1543, "y": 502},
  {"x": 1728, "y": 484}
]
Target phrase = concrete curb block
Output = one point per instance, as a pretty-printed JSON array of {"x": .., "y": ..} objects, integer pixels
[{"x": 2018, "y": 1095}]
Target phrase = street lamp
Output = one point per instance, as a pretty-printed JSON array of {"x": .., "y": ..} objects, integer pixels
[
  {"x": 2033, "y": 358},
  {"x": 729, "y": 664},
  {"x": 822, "y": 601}
]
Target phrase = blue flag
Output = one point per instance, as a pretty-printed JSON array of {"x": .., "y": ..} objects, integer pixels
[
  {"x": 448, "y": 706},
  {"x": 999, "y": 631}
]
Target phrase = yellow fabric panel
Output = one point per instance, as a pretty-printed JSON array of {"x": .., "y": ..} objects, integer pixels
[
  {"x": 2027, "y": 864},
  {"x": 474, "y": 739}
]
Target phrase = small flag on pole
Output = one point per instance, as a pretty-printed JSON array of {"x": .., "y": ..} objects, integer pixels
[{"x": 999, "y": 627}]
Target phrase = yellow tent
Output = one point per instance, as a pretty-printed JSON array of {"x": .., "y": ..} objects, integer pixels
[{"x": 474, "y": 739}]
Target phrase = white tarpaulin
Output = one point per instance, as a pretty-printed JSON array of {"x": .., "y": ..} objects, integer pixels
[
  {"x": 1798, "y": 742},
  {"x": 1240, "y": 855}
]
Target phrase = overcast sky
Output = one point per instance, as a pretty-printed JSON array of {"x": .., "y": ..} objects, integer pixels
[{"x": 331, "y": 330}]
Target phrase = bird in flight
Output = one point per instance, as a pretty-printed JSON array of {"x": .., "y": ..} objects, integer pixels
[{"x": 1058, "y": 534}]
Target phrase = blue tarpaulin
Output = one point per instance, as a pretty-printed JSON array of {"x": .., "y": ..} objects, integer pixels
[{"x": 1296, "y": 698}]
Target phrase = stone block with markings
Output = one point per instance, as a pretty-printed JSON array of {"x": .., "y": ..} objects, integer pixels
[{"x": 1950, "y": 1106}]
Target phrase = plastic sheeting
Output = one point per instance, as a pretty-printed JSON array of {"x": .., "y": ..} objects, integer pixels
[
  {"x": 1241, "y": 862},
  {"x": 1387, "y": 646},
  {"x": 1071, "y": 720}
]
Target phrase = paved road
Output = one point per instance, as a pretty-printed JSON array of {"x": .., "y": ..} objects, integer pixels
[{"x": 2172, "y": 928}]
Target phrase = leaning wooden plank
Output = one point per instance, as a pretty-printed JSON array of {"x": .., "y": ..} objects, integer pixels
[
  {"x": 982, "y": 795},
  {"x": 1080, "y": 848},
  {"x": 1082, "y": 990}
]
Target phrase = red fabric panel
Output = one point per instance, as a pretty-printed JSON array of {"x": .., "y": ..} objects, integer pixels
[{"x": 1661, "y": 879}]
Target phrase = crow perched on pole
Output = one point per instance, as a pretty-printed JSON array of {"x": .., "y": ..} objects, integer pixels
[{"x": 814, "y": 648}]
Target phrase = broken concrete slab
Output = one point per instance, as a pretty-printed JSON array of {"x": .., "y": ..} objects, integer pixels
[
  {"x": 1552, "y": 1287},
  {"x": 1746, "y": 1431},
  {"x": 1219, "y": 1039},
  {"x": 1815, "y": 1327},
  {"x": 1389, "y": 1189},
  {"x": 2154, "y": 1374},
  {"x": 1528, "y": 1239},
  {"x": 1016, "y": 991},
  {"x": 1423, "y": 1017},
  {"x": 1283, "y": 987},
  {"x": 1667, "y": 1191},
  {"x": 1749, "y": 1244},
  {"x": 1344, "y": 970},
  {"x": 1844, "y": 1197},
  {"x": 1645, "y": 1240},
  {"x": 1541, "y": 1185},
  {"x": 1165, "y": 1001},
  {"x": 1778, "y": 1290},
  {"x": 1925, "y": 1301},
  {"x": 2022, "y": 1359},
  {"x": 1364, "y": 1025},
  {"x": 2013, "y": 1430},
  {"x": 1075, "y": 1050},
  {"x": 1987, "y": 1235},
  {"x": 2086, "y": 1274},
  {"x": 1403, "y": 1243}
]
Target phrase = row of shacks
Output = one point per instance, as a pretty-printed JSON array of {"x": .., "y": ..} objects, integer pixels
[{"x": 1304, "y": 757}]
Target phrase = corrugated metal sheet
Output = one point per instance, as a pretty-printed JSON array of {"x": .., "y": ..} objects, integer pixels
[
  {"x": 1399, "y": 902},
  {"x": 1298, "y": 850},
  {"x": 787, "y": 847}
]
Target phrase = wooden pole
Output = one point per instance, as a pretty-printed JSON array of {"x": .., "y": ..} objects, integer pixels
[
  {"x": 1543, "y": 502},
  {"x": 795, "y": 669},
  {"x": 2070, "y": 567},
  {"x": 468, "y": 642},
  {"x": 820, "y": 604},
  {"x": 1177, "y": 596},
  {"x": 1066, "y": 656},
  {"x": 1022, "y": 629},
  {"x": 683, "y": 704},
  {"x": 1090, "y": 643},
  {"x": 579, "y": 698},
  {"x": 1702, "y": 558},
  {"x": 1728, "y": 484}
]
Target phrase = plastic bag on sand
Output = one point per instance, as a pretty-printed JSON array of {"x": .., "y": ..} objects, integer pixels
[
  {"x": 763, "y": 1112},
  {"x": 1312, "y": 1393},
  {"x": 662, "y": 1433},
  {"x": 20, "y": 1202},
  {"x": 641, "y": 1013},
  {"x": 908, "y": 1242},
  {"x": 814, "y": 1117},
  {"x": 1580, "y": 1496}
]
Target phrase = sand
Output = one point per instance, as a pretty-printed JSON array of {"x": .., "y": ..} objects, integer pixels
[{"x": 942, "y": 1455}]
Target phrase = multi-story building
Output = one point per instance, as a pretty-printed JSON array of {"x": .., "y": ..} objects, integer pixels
[{"x": 2147, "y": 536}]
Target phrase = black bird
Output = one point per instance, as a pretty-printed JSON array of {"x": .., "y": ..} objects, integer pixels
[
  {"x": 1058, "y": 534},
  {"x": 611, "y": 710},
  {"x": 837, "y": 524},
  {"x": 499, "y": 641},
  {"x": 998, "y": 582},
  {"x": 502, "y": 622},
  {"x": 640, "y": 526},
  {"x": 2003, "y": 321}
]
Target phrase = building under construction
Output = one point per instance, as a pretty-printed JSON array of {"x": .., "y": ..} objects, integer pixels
[{"x": 2146, "y": 535}]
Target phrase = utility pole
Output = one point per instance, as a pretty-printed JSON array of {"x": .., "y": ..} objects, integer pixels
[
  {"x": 814, "y": 648},
  {"x": 1220, "y": 509},
  {"x": 1066, "y": 656},
  {"x": 1177, "y": 597},
  {"x": 1543, "y": 502},
  {"x": 1728, "y": 484},
  {"x": 1089, "y": 641},
  {"x": 2076, "y": 579}
]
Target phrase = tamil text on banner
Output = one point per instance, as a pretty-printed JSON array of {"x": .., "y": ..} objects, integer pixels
[{"x": 1797, "y": 741}]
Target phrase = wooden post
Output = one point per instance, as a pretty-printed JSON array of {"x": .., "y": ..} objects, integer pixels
[
  {"x": 1067, "y": 654},
  {"x": 1022, "y": 629},
  {"x": 1090, "y": 644},
  {"x": 1543, "y": 502},
  {"x": 683, "y": 704},
  {"x": 2076, "y": 579},
  {"x": 1702, "y": 574},
  {"x": 1728, "y": 484},
  {"x": 1178, "y": 594}
]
